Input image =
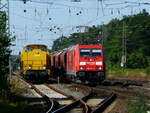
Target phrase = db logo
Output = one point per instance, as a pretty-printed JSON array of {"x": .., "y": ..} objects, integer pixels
[{"x": 90, "y": 63}]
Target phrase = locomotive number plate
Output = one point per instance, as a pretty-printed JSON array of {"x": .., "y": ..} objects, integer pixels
[{"x": 37, "y": 55}]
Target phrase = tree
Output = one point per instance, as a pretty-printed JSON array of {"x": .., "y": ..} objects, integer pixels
[{"x": 5, "y": 42}]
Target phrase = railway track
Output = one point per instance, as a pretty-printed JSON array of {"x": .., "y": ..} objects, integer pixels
[
  {"x": 130, "y": 87},
  {"x": 48, "y": 101},
  {"x": 121, "y": 82},
  {"x": 81, "y": 104},
  {"x": 57, "y": 101}
]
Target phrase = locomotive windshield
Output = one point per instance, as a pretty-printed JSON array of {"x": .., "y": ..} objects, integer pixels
[
  {"x": 96, "y": 52},
  {"x": 28, "y": 49},
  {"x": 42, "y": 48},
  {"x": 85, "y": 52},
  {"x": 90, "y": 52}
]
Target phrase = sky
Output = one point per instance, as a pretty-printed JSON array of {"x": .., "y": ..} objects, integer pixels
[{"x": 43, "y": 21}]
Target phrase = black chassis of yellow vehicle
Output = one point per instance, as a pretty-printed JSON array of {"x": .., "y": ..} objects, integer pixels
[{"x": 37, "y": 75}]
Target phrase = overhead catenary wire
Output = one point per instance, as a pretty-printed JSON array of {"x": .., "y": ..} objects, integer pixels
[
  {"x": 102, "y": 7},
  {"x": 59, "y": 4},
  {"x": 86, "y": 8}
]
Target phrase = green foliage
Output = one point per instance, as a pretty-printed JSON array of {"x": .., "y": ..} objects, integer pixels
[
  {"x": 136, "y": 74},
  {"x": 147, "y": 70},
  {"x": 137, "y": 60},
  {"x": 138, "y": 105},
  {"x": 12, "y": 103},
  {"x": 13, "y": 107},
  {"x": 4, "y": 52},
  {"x": 137, "y": 32},
  {"x": 89, "y": 37}
]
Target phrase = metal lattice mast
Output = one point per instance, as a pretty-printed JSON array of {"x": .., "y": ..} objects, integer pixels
[{"x": 124, "y": 49}]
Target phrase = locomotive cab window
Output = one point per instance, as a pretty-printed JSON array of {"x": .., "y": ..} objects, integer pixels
[
  {"x": 90, "y": 52},
  {"x": 43, "y": 48},
  {"x": 28, "y": 49},
  {"x": 96, "y": 52},
  {"x": 84, "y": 52}
]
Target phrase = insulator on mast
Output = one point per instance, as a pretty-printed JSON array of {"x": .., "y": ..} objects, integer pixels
[
  {"x": 24, "y": 1},
  {"x": 76, "y": 0}
]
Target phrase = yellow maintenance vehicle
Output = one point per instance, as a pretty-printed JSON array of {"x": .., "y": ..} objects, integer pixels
[{"x": 35, "y": 62}]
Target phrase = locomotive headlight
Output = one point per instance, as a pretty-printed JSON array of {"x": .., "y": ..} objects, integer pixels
[
  {"x": 30, "y": 66},
  {"x": 82, "y": 68},
  {"x": 100, "y": 68},
  {"x": 44, "y": 67},
  {"x": 99, "y": 63},
  {"x": 82, "y": 63}
]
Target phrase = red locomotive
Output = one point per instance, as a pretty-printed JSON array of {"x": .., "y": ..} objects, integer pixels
[{"x": 80, "y": 62}]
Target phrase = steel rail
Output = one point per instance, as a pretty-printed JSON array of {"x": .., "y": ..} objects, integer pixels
[
  {"x": 86, "y": 108},
  {"x": 105, "y": 103},
  {"x": 60, "y": 91},
  {"x": 74, "y": 104},
  {"x": 50, "y": 102}
]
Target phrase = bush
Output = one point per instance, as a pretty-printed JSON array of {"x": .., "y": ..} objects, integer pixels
[
  {"x": 137, "y": 105},
  {"x": 147, "y": 70},
  {"x": 136, "y": 60},
  {"x": 12, "y": 103},
  {"x": 13, "y": 107}
]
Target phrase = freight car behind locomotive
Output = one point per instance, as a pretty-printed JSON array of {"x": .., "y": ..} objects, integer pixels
[
  {"x": 35, "y": 62},
  {"x": 80, "y": 62}
]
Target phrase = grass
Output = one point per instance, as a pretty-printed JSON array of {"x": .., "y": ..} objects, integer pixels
[
  {"x": 137, "y": 105},
  {"x": 13, "y": 107},
  {"x": 17, "y": 86},
  {"x": 11, "y": 100},
  {"x": 11, "y": 103},
  {"x": 129, "y": 73}
]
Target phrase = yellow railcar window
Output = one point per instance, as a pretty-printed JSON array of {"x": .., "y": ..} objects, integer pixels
[
  {"x": 42, "y": 48},
  {"x": 28, "y": 49}
]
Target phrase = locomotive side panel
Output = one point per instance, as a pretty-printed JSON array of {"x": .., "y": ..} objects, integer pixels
[
  {"x": 63, "y": 61},
  {"x": 71, "y": 61}
]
